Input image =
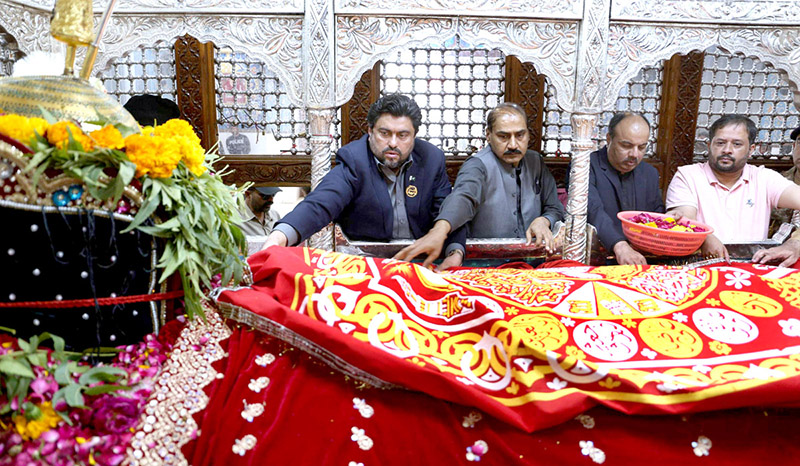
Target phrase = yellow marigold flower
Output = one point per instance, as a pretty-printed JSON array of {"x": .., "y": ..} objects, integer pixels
[
  {"x": 21, "y": 128},
  {"x": 177, "y": 127},
  {"x": 58, "y": 135},
  {"x": 108, "y": 137},
  {"x": 192, "y": 153},
  {"x": 31, "y": 430},
  {"x": 153, "y": 156}
]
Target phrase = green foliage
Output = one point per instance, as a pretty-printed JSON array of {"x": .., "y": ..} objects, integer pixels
[
  {"x": 18, "y": 371},
  {"x": 196, "y": 215}
]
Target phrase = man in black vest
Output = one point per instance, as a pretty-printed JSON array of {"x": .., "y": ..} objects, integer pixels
[{"x": 619, "y": 180}]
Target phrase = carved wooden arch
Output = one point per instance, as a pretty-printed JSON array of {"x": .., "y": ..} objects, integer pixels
[{"x": 632, "y": 47}]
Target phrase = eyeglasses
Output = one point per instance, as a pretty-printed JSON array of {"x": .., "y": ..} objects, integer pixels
[{"x": 266, "y": 197}]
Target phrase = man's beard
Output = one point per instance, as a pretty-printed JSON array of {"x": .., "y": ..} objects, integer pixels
[{"x": 732, "y": 168}]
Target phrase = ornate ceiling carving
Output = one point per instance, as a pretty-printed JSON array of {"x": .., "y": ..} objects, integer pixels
[
  {"x": 361, "y": 41},
  {"x": 550, "y": 46},
  {"x": 565, "y": 9},
  {"x": 274, "y": 40},
  {"x": 633, "y": 46},
  {"x": 32, "y": 25},
  {"x": 745, "y": 11},
  {"x": 250, "y": 6}
]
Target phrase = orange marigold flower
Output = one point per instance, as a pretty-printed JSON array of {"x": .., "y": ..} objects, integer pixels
[
  {"x": 153, "y": 156},
  {"x": 21, "y": 128},
  {"x": 177, "y": 127},
  {"x": 108, "y": 137},
  {"x": 58, "y": 135}
]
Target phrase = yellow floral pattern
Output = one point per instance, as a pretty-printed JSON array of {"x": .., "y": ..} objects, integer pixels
[
  {"x": 32, "y": 429},
  {"x": 153, "y": 156},
  {"x": 108, "y": 137},
  {"x": 21, "y": 128},
  {"x": 58, "y": 135}
]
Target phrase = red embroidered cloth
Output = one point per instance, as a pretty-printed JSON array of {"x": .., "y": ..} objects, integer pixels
[{"x": 536, "y": 347}]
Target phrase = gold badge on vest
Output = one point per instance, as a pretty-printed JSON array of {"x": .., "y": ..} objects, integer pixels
[{"x": 411, "y": 191}]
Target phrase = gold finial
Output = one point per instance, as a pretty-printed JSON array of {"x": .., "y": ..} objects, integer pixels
[{"x": 72, "y": 24}]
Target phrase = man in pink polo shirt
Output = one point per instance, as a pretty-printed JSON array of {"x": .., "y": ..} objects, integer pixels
[{"x": 735, "y": 198}]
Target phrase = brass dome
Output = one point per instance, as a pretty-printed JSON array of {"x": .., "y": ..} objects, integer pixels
[{"x": 64, "y": 97}]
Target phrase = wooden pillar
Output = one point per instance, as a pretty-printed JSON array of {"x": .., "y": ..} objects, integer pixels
[
  {"x": 354, "y": 112},
  {"x": 680, "y": 99},
  {"x": 196, "y": 92},
  {"x": 524, "y": 86}
]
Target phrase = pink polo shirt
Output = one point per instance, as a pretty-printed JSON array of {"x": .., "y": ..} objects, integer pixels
[{"x": 738, "y": 214}]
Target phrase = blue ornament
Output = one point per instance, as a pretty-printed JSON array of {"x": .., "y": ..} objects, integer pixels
[
  {"x": 60, "y": 198},
  {"x": 75, "y": 192}
]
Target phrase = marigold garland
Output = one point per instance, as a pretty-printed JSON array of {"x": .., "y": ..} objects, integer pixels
[
  {"x": 58, "y": 135},
  {"x": 198, "y": 213},
  {"x": 108, "y": 137},
  {"x": 153, "y": 156},
  {"x": 21, "y": 128}
]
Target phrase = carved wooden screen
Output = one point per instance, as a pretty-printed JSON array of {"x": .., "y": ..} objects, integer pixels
[
  {"x": 526, "y": 87},
  {"x": 678, "y": 119},
  {"x": 354, "y": 112},
  {"x": 733, "y": 83}
]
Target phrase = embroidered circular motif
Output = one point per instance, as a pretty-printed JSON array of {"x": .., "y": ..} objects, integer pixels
[
  {"x": 539, "y": 331},
  {"x": 725, "y": 326},
  {"x": 605, "y": 340},
  {"x": 670, "y": 338},
  {"x": 751, "y": 304}
]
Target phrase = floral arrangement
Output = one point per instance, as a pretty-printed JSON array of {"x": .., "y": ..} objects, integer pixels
[
  {"x": 665, "y": 223},
  {"x": 196, "y": 212},
  {"x": 58, "y": 409}
]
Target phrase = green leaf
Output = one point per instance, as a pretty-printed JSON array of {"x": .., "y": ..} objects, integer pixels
[
  {"x": 37, "y": 359},
  {"x": 47, "y": 115},
  {"x": 108, "y": 388},
  {"x": 23, "y": 345},
  {"x": 62, "y": 374},
  {"x": 148, "y": 207},
  {"x": 13, "y": 367},
  {"x": 72, "y": 395},
  {"x": 101, "y": 374}
]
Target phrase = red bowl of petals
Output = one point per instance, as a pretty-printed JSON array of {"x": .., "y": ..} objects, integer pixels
[{"x": 654, "y": 233}]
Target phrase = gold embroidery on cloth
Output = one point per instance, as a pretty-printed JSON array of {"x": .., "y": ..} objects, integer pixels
[
  {"x": 588, "y": 449},
  {"x": 363, "y": 408},
  {"x": 471, "y": 419},
  {"x": 702, "y": 446},
  {"x": 252, "y": 411},
  {"x": 167, "y": 424},
  {"x": 364, "y": 442},
  {"x": 258, "y": 384},
  {"x": 244, "y": 444},
  {"x": 586, "y": 420},
  {"x": 265, "y": 359}
]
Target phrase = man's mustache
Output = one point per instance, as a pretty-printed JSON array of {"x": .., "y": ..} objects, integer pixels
[{"x": 512, "y": 151}]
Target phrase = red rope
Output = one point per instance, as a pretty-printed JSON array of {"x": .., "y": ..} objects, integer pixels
[{"x": 90, "y": 302}]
